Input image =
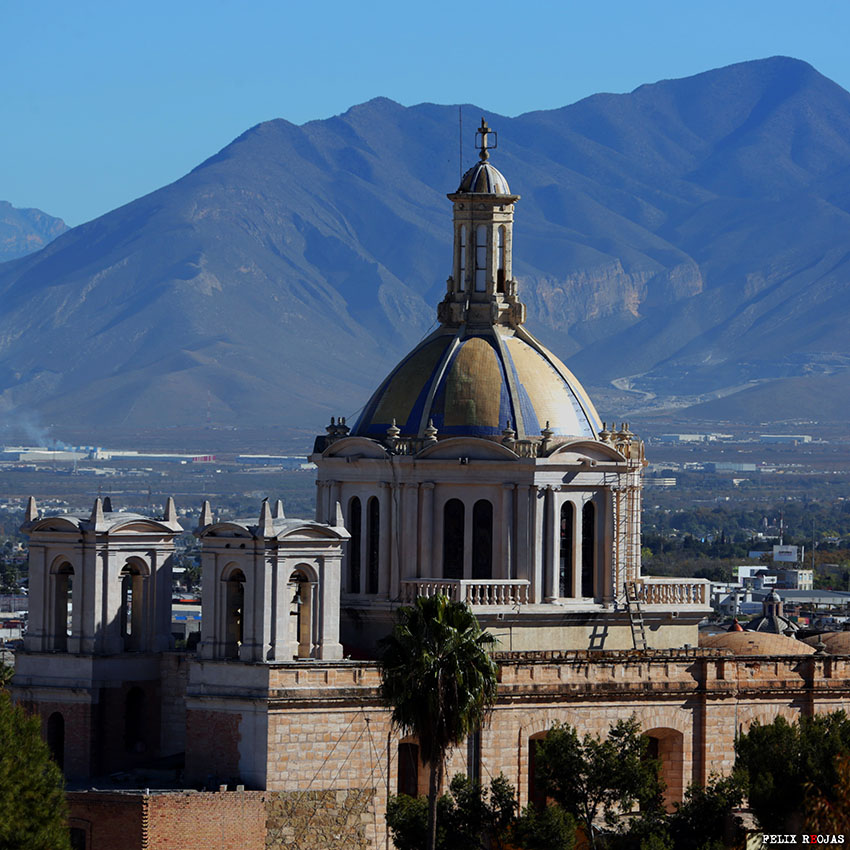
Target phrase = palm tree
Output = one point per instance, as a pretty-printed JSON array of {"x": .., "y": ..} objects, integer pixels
[{"x": 440, "y": 681}]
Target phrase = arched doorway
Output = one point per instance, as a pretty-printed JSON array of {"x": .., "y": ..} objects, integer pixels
[
  {"x": 566, "y": 561},
  {"x": 133, "y": 577},
  {"x": 482, "y": 540},
  {"x": 588, "y": 549},
  {"x": 453, "y": 521},
  {"x": 63, "y": 605},
  {"x": 56, "y": 738},
  {"x": 667, "y": 746},
  {"x": 234, "y": 612}
]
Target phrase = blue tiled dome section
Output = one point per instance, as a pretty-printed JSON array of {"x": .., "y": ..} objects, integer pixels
[
  {"x": 473, "y": 384},
  {"x": 484, "y": 179}
]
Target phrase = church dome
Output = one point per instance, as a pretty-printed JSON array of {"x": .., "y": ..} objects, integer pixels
[
  {"x": 755, "y": 643},
  {"x": 474, "y": 382},
  {"x": 484, "y": 179}
]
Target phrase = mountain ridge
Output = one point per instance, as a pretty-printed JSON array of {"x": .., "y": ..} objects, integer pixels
[{"x": 282, "y": 277}]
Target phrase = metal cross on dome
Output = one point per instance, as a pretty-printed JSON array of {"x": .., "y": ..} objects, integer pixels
[{"x": 484, "y": 145}]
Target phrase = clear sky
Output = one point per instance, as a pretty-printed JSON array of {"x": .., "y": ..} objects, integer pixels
[{"x": 106, "y": 100}]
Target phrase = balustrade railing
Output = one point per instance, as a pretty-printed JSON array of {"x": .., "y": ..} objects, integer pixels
[
  {"x": 470, "y": 591},
  {"x": 652, "y": 591}
]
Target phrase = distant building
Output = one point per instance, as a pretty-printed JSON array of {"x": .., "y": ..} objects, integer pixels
[{"x": 792, "y": 439}]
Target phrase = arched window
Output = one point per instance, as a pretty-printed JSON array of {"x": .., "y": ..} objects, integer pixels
[
  {"x": 373, "y": 543},
  {"x": 481, "y": 258},
  {"x": 234, "y": 610},
  {"x": 473, "y": 756},
  {"x": 132, "y": 606},
  {"x": 588, "y": 548},
  {"x": 536, "y": 792},
  {"x": 500, "y": 259},
  {"x": 355, "y": 516},
  {"x": 56, "y": 738},
  {"x": 302, "y": 612},
  {"x": 453, "y": 520},
  {"x": 63, "y": 580},
  {"x": 462, "y": 257},
  {"x": 482, "y": 540},
  {"x": 134, "y": 721},
  {"x": 408, "y": 769},
  {"x": 565, "y": 574}
]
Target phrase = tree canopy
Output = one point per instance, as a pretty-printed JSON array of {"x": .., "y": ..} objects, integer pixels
[
  {"x": 32, "y": 801},
  {"x": 439, "y": 679},
  {"x": 592, "y": 776},
  {"x": 781, "y": 763}
]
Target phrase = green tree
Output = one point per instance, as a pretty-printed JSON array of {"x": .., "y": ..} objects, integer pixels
[
  {"x": 781, "y": 762},
  {"x": 704, "y": 820},
  {"x": 440, "y": 681},
  {"x": 591, "y": 776},
  {"x": 469, "y": 817},
  {"x": 549, "y": 828},
  {"x": 32, "y": 801}
]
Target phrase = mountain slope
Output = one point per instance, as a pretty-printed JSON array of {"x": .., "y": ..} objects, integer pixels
[{"x": 686, "y": 238}]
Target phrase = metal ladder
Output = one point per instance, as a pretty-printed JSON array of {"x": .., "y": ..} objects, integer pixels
[{"x": 635, "y": 615}]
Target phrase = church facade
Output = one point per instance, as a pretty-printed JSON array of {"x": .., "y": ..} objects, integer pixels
[{"x": 480, "y": 469}]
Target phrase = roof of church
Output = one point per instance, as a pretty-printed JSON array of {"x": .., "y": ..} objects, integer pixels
[{"x": 473, "y": 381}]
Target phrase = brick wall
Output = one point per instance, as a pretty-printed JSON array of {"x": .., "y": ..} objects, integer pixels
[
  {"x": 206, "y": 821},
  {"x": 212, "y": 746},
  {"x": 111, "y": 820},
  {"x": 225, "y": 820}
]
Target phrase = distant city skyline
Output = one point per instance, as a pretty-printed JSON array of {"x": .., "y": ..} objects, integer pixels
[{"x": 105, "y": 102}]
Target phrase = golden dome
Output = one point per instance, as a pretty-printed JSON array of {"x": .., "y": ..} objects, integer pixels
[{"x": 475, "y": 381}]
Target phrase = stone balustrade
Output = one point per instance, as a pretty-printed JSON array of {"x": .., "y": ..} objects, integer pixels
[
  {"x": 472, "y": 592},
  {"x": 673, "y": 591}
]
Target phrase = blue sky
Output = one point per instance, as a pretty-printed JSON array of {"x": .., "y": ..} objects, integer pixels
[{"x": 106, "y": 101}]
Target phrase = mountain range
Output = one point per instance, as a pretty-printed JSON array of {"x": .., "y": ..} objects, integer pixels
[
  {"x": 685, "y": 244},
  {"x": 23, "y": 231}
]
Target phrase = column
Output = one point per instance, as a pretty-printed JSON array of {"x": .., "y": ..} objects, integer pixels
[
  {"x": 410, "y": 540},
  {"x": 387, "y": 537},
  {"x": 550, "y": 546},
  {"x": 577, "y": 546},
  {"x": 537, "y": 512},
  {"x": 426, "y": 532},
  {"x": 329, "y": 648}
]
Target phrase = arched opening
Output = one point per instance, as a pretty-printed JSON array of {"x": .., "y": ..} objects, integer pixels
[
  {"x": 408, "y": 769},
  {"x": 536, "y": 794},
  {"x": 134, "y": 721},
  {"x": 588, "y": 549},
  {"x": 301, "y": 613},
  {"x": 373, "y": 543},
  {"x": 667, "y": 746},
  {"x": 461, "y": 272},
  {"x": 565, "y": 570},
  {"x": 500, "y": 270},
  {"x": 482, "y": 540},
  {"x": 234, "y": 612},
  {"x": 481, "y": 258},
  {"x": 132, "y": 606},
  {"x": 355, "y": 517},
  {"x": 56, "y": 738},
  {"x": 453, "y": 520},
  {"x": 63, "y": 603}
]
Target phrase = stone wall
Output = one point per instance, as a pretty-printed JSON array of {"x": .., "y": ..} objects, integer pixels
[
  {"x": 223, "y": 820},
  {"x": 322, "y": 820}
]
